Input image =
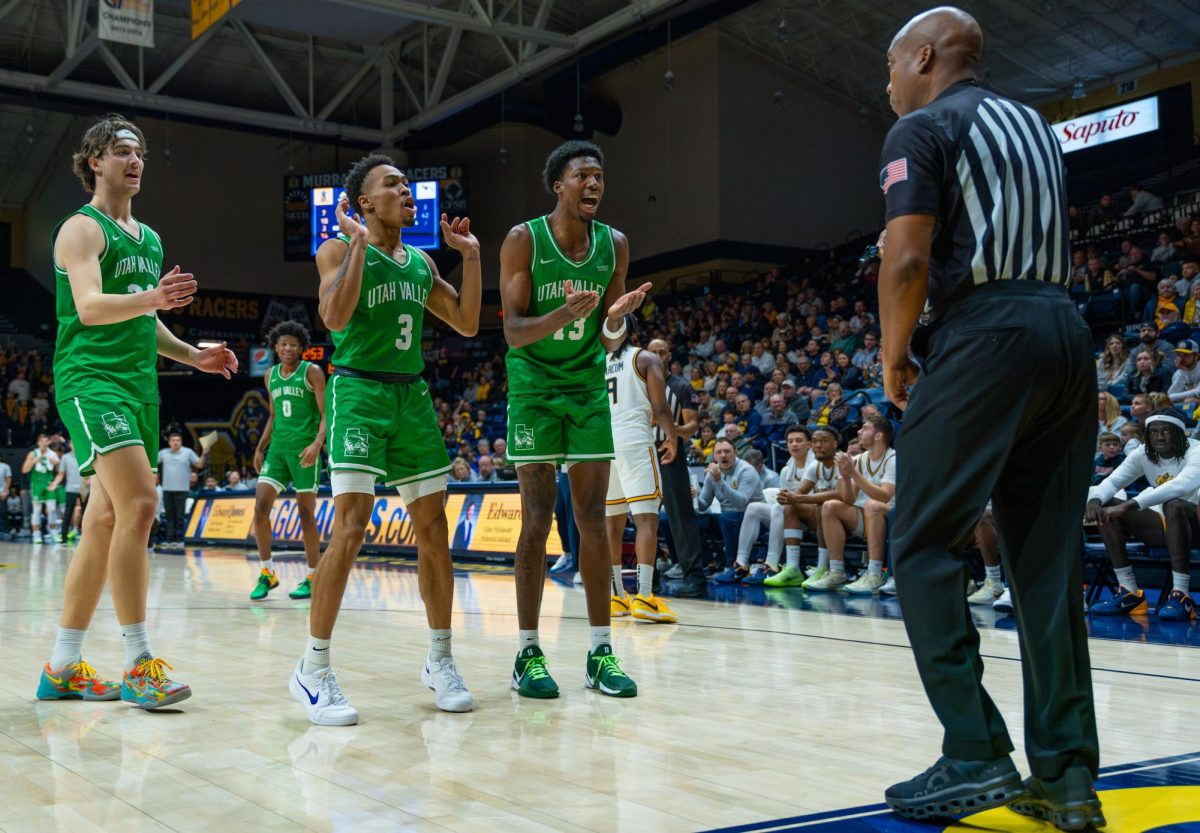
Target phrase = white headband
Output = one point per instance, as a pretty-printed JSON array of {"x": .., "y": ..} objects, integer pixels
[
  {"x": 1170, "y": 420},
  {"x": 125, "y": 133}
]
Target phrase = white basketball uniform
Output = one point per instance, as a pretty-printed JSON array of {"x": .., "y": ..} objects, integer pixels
[
  {"x": 634, "y": 484},
  {"x": 877, "y": 473},
  {"x": 770, "y": 512}
]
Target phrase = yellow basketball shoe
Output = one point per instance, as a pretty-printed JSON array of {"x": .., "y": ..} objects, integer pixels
[
  {"x": 652, "y": 609},
  {"x": 619, "y": 606}
]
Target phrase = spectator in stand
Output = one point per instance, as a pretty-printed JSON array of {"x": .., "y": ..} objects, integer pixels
[
  {"x": 1104, "y": 214},
  {"x": 483, "y": 447},
  {"x": 1109, "y": 457},
  {"x": 846, "y": 341},
  {"x": 1164, "y": 251},
  {"x": 834, "y": 412},
  {"x": 734, "y": 484},
  {"x": 1166, "y": 307},
  {"x": 828, "y": 372},
  {"x": 779, "y": 419},
  {"x": 1111, "y": 419},
  {"x": 1191, "y": 237},
  {"x": 1113, "y": 364},
  {"x": 866, "y": 355},
  {"x": 1148, "y": 375},
  {"x": 704, "y": 444},
  {"x": 766, "y": 475},
  {"x": 763, "y": 406},
  {"x": 852, "y": 379},
  {"x": 1148, "y": 340},
  {"x": 1099, "y": 276},
  {"x": 1185, "y": 383},
  {"x": 20, "y": 385},
  {"x": 1186, "y": 284},
  {"x": 1140, "y": 279},
  {"x": 749, "y": 422},
  {"x": 794, "y": 402},
  {"x": 234, "y": 482},
  {"x": 762, "y": 359},
  {"x": 1131, "y": 437},
  {"x": 211, "y": 484},
  {"x": 1078, "y": 263},
  {"x": 487, "y": 470},
  {"x": 1143, "y": 201},
  {"x": 1163, "y": 515},
  {"x": 1140, "y": 408},
  {"x": 460, "y": 472},
  {"x": 175, "y": 464},
  {"x": 732, "y": 432}
]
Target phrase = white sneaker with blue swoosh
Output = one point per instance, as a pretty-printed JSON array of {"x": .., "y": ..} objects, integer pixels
[{"x": 322, "y": 697}]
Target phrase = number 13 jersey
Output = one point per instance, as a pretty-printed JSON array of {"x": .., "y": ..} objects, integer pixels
[
  {"x": 570, "y": 359},
  {"x": 384, "y": 333}
]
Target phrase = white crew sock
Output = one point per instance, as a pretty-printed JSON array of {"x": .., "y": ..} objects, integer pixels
[
  {"x": 992, "y": 573},
  {"x": 528, "y": 638},
  {"x": 1126, "y": 578},
  {"x": 618, "y": 583},
  {"x": 316, "y": 655},
  {"x": 137, "y": 644},
  {"x": 1182, "y": 581},
  {"x": 439, "y": 644},
  {"x": 875, "y": 568},
  {"x": 837, "y": 566},
  {"x": 268, "y": 565},
  {"x": 793, "y": 552},
  {"x": 645, "y": 579},
  {"x": 600, "y": 636},
  {"x": 822, "y": 558},
  {"x": 68, "y": 648}
]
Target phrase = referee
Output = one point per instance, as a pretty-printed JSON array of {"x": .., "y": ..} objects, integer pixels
[{"x": 977, "y": 240}]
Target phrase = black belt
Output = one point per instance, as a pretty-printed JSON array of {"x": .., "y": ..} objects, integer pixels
[{"x": 379, "y": 376}]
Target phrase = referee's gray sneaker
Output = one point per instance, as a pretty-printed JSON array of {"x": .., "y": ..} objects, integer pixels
[{"x": 952, "y": 786}]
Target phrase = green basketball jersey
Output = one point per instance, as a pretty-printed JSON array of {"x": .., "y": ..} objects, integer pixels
[
  {"x": 42, "y": 472},
  {"x": 571, "y": 359},
  {"x": 296, "y": 414},
  {"x": 384, "y": 333},
  {"x": 107, "y": 360}
]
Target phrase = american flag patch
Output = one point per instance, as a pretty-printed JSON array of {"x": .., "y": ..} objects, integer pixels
[{"x": 894, "y": 172}]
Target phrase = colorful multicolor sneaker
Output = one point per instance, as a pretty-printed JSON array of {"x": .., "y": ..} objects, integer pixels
[
  {"x": 1124, "y": 602},
  {"x": 605, "y": 675},
  {"x": 303, "y": 590},
  {"x": 731, "y": 575},
  {"x": 652, "y": 609},
  {"x": 787, "y": 577},
  {"x": 815, "y": 574},
  {"x": 826, "y": 582},
  {"x": 865, "y": 585},
  {"x": 759, "y": 574},
  {"x": 147, "y": 685},
  {"x": 618, "y": 606},
  {"x": 266, "y": 583},
  {"x": 530, "y": 677},
  {"x": 1179, "y": 607},
  {"x": 78, "y": 681}
]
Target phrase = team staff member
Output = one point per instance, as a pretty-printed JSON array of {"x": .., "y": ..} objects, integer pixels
[{"x": 977, "y": 236}]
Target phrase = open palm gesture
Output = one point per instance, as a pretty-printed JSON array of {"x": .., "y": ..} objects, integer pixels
[{"x": 458, "y": 234}]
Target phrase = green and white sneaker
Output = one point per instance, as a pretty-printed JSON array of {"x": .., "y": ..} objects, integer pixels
[
  {"x": 826, "y": 582},
  {"x": 987, "y": 593},
  {"x": 266, "y": 583},
  {"x": 605, "y": 675},
  {"x": 787, "y": 577},
  {"x": 814, "y": 574},
  {"x": 303, "y": 589},
  {"x": 865, "y": 585},
  {"x": 530, "y": 677}
]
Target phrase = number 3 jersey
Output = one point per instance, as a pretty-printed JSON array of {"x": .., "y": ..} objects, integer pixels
[
  {"x": 384, "y": 332},
  {"x": 570, "y": 359},
  {"x": 109, "y": 360}
]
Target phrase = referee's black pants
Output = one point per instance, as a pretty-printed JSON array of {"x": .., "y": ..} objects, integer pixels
[
  {"x": 683, "y": 532},
  {"x": 1005, "y": 409}
]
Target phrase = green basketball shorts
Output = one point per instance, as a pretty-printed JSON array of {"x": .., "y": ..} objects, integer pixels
[
  {"x": 281, "y": 468},
  {"x": 100, "y": 425},
  {"x": 570, "y": 427},
  {"x": 388, "y": 430}
]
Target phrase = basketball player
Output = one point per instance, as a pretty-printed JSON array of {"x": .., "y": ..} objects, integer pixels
[
  {"x": 818, "y": 484},
  {"x": 40, "y": 464},
  {"x": 783, "y": 520},
  {"x": 293, "y": 438},
  {"x": 977, "y": 249},
  {"x": 109, "y": 291},
  {"x": 554, "y": 272},
  {"x": 866, "y": 487},
  {"x": 637, "y": 399},
  {"x": 374, "y": 293}
]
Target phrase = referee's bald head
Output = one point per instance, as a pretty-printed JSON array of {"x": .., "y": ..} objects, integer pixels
[{"x": 935, "y": 49}]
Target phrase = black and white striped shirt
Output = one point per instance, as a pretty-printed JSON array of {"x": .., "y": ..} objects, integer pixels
[
  {"x": 990, "y": 169},
  {"x": 677, "y": 387}
]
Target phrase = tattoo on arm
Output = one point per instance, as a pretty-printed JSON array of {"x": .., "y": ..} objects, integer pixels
[{"x": 341, "y": 275}]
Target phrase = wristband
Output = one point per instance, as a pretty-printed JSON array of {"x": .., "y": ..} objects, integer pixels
[{"x": 611, "y": 334}]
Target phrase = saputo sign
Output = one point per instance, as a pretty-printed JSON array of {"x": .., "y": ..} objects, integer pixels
[{"x": 1111, "y": 125}]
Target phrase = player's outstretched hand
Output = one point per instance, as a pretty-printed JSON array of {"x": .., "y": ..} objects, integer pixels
[
  {"x": 630, "y": 301},
  {"x": 580, "y": 303},
  {"x": 897, "y": 380},
  {"x": 217, "y": 359},
  {"x": 458, "y": 234},
  {"x": 347, "y": 224},
  {"x": 666, "y": 452},
  {"x": 175, "y": 289}
]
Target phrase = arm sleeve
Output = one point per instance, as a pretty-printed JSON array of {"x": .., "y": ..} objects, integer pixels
[
  {"x": 1126, "y": 473},
  {"x": 912, "y": 168},
  {"x": 1184, "y": 485}
]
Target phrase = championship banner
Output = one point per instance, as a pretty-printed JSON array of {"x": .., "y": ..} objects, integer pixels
[
  {"x": 483, "y": 525},
  {"x": 127, "y": 21},
  {"x": 207, "y": 12}
]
